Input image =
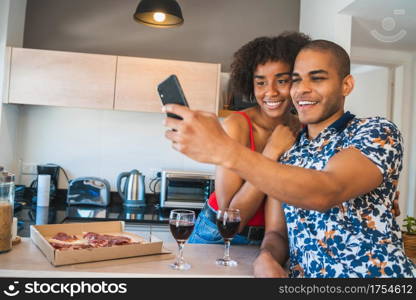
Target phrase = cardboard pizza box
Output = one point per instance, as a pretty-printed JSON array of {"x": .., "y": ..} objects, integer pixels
[{"x": 40, "y": 234}]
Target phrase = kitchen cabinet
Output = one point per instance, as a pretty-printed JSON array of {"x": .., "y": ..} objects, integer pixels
[
  {"x": 57, "y": 78},
  {"x": 137, "y": 80},
  {"x": 69, "y": 79}
]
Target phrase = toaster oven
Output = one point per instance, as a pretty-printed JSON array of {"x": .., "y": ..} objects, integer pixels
[{"x": 185, "y": 189}]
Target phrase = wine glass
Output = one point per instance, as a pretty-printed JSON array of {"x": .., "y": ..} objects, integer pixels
[
  {"x": 181, "y": 222},
  {"x": 228, "y": 222}
]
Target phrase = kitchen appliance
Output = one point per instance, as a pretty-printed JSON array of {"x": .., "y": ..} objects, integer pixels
[
  {"x": 133, "y": 191},
  {"x": 88, "y": 190},
  {"x": 53, "y": 171},
  {"x": 185, "y": 189},
  {"x": 43, "y": 192}
]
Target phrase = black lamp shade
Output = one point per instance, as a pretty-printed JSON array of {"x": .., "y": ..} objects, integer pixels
[{"x": 147, "y": 8}]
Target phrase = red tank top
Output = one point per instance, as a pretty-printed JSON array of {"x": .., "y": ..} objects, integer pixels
[{"x": 258, "y": 218}]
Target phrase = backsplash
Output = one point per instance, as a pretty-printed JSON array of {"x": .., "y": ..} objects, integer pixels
[{"x": 101, "y": 143}]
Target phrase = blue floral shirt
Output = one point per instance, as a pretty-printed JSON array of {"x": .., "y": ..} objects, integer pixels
[{"x": 360, "y": 237}]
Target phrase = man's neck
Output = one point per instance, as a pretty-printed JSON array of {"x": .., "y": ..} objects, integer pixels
[{"x": 315, "y": 129}]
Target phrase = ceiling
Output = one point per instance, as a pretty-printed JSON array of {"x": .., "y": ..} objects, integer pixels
[
  {"x": 383, "y": 24},
  {"x": 213, "y": 29}
]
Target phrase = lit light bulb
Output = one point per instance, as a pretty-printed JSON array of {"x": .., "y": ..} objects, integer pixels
[{"x": 159, "y": 17}]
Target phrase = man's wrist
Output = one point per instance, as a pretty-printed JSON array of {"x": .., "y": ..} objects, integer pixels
[{"x": 232, "y": 152}]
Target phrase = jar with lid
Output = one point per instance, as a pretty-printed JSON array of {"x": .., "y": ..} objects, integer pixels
[{"x": 7, "y": 191}]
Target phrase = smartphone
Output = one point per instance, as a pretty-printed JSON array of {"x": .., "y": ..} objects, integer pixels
[{"x": 170, "y": 92}]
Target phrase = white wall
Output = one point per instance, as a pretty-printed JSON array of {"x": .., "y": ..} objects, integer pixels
[
  {"x": 4, "y": 15},
  {"x": 100, "y": 143},
  {"x": 370, "y": 96},
  {"x": 12, "y": 15},
  {"x": 321, "y": 20},
  {"x": 403, "y": 114},
  {"x": 411, "y": 211}
]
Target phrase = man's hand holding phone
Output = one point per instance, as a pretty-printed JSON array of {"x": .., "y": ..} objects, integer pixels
[
  {"x": 197, "y": 134},
  {"x": 200, "y": 136}
]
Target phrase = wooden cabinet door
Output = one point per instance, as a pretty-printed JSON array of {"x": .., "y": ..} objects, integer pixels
[
  {"x": 137, "y": 80},
  {"x": 44, "y": 77}
]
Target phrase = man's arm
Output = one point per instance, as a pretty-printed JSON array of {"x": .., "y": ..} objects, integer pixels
[
  {"x": 274, "y": 248},
  {"x": 348, "y": 174}
]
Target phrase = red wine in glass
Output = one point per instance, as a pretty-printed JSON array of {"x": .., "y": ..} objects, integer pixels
[
  {"x": 228, "y": 222},
  {"x": 181, "y": 230},
  {"x": 181, "y": 222},
  {"x": 228, "y": 229}
]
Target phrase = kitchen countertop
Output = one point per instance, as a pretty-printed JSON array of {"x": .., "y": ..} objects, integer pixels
[{"x": 26, "y": 260}]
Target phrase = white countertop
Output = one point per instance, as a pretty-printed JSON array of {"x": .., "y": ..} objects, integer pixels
[{"x": 26, "y": 260}]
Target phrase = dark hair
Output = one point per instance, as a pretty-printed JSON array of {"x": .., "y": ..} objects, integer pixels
[
  {"x": 341, "y": 56},
  {"x": 284, "y": 47}
]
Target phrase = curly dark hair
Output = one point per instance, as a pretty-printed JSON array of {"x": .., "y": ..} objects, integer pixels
[{"x": 284, "y": 48}]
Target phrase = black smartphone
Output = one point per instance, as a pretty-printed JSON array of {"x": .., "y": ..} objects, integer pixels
[{"x": 170, "y": 92}]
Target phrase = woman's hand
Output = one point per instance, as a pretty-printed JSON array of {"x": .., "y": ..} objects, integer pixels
[
  {"x": 282, "y": 139},
  {"x": 266, "y": 266}
]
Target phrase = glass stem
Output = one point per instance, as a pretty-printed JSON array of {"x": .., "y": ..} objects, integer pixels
[
  {"x": 227, "y": 250},
  {"x": 179, "y": 257}
]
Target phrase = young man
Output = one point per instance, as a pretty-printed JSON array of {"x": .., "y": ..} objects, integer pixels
[{"x": 330, "y": 196}]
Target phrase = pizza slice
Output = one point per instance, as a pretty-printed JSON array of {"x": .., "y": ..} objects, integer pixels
[
  {"x": 111, "y": 239},
  {"x": 62, "y": 241}
]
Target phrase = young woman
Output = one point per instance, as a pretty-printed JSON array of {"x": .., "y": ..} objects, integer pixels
[{"x": 261, "y": 70}]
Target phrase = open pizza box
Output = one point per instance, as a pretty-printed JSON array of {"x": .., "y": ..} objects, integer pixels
[{"x": 41, "y": 234}]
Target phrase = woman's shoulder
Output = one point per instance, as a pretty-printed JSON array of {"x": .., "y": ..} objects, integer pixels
[
  {"x": 240, "y": 117},
  {"x": 236, "y": 119},
  {"x": 237, "y": 127}
]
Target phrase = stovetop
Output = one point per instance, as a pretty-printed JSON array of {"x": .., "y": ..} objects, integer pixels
[
  {"x": 59, "y": 212},
  {"x": 151, "y": 213}
]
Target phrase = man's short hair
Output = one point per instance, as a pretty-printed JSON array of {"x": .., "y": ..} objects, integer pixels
[{"x": 341, "y": 56}]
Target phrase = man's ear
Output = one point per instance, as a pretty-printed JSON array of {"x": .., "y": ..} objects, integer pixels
[{"x": 347, "y": 85}]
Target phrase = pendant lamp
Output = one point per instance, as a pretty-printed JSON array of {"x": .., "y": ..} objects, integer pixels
[{"x": 159, "y": 13}]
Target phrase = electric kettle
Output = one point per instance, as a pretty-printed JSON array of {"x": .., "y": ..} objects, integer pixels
[{"x": 133, "y": 191}]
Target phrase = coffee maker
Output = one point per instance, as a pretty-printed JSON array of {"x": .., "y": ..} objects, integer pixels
[{"x": 48, "y": 169}]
